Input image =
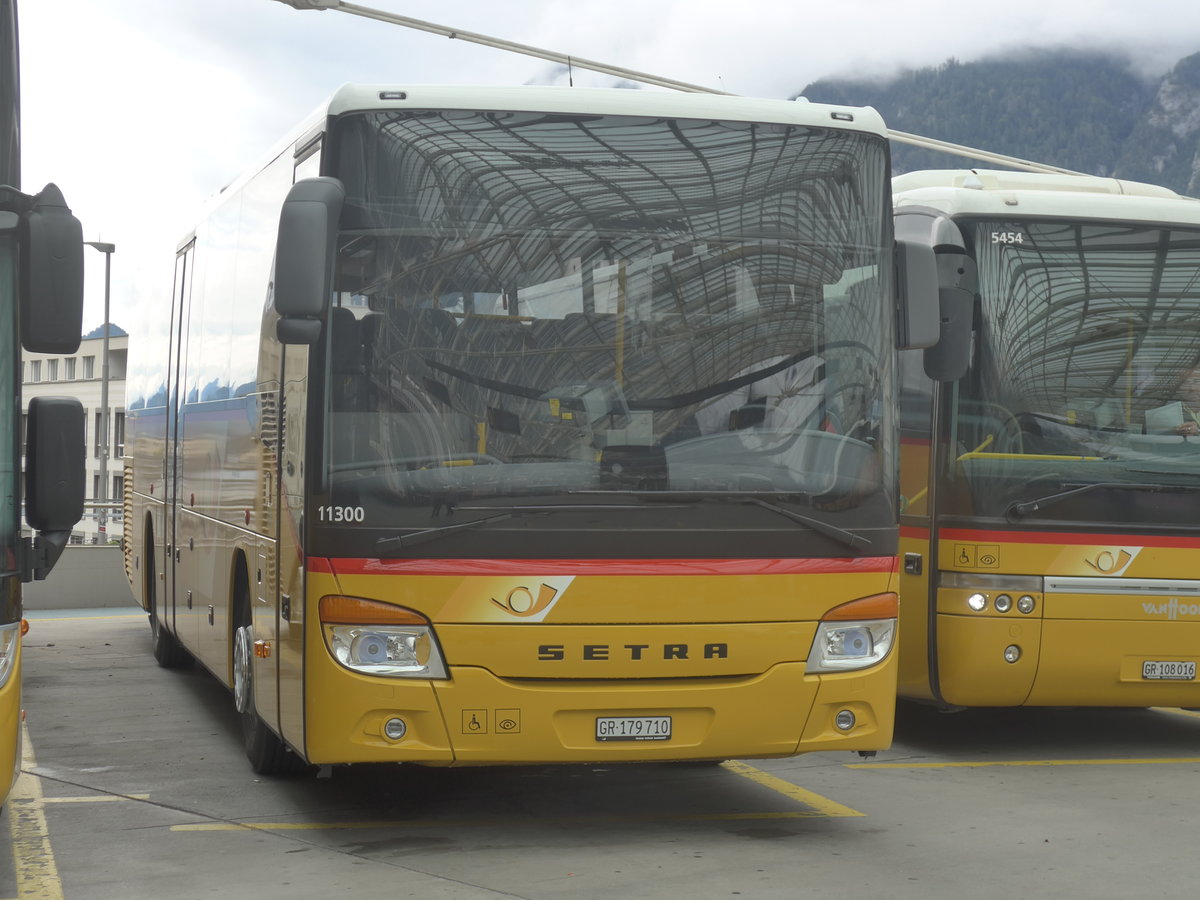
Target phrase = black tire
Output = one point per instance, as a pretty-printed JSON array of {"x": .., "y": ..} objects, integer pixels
[
  {"x": 266, "y": 751},
  {"x": 168, "y": 652}
]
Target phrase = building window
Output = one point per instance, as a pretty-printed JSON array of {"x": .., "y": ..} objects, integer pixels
[
  {"x": 52, "y": 370},
  {"x": 99, "y": 433},
  {"x": 89, "y": 367},
  {"x": 35, "y": 371},
  {"x": 70, "y": 367},
  {"x": 119, "y": 434}
]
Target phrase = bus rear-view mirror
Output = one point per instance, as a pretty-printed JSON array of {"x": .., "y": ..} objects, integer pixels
[
  {"x": 304, "y": 257},
  {"x": 51, "y": 275}
]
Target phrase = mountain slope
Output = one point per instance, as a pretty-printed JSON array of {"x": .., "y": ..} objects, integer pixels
[{"x": 1084, "y": 111}]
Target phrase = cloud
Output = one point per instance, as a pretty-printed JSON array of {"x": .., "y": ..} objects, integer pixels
[{"x": 141, "y": 109}]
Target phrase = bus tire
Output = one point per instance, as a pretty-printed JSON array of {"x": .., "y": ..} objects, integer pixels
[
  {"x": 266, "y": 751},
  {"x": 168, "y": 652}
]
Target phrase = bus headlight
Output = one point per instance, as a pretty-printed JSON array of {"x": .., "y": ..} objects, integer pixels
[
  {"x": 380, "y": 639},
  {"x": 854, "y": 635}
]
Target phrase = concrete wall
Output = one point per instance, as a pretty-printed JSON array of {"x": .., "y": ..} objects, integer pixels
[{"x": 85, "y": 577}]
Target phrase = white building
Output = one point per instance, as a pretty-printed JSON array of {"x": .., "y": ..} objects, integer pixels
[{"x": 80, "y": 375}]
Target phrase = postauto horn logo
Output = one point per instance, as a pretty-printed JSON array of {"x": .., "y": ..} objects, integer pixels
[{"x": 527, "y": 603}]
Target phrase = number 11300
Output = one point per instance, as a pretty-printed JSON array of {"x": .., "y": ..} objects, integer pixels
[{"x": 341, "y": 513}]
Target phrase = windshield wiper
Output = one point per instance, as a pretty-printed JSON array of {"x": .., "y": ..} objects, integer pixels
[
  {"x": 841, "y": 535},
  {"x": 430, "y": 534},
  {"x": 1018, "y": 511}
]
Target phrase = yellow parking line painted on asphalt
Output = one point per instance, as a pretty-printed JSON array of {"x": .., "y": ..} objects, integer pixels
[
  {"x": 106, "y": 798},
  {"x": 36, "y": 870},
  {"x": 1165, "y": 761},
  {"x": 823, "y": 805},
  {"x": 1177, "y": 712},
  {"x": 37, "y": 621}
]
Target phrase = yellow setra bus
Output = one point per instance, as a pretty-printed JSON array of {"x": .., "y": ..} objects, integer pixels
[
  {"x": 528, "y": 425},
  {"x": 1049, "y": 529}
]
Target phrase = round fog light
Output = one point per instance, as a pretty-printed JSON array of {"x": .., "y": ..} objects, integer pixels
[
  {"x": 1025, "y": 604},
  {"x": 844, "y": 720},
  {"x": 394, "y": 729},
  {"x": 1003, "y": 603},
  {"x": 1012, "y": 653},
  {"x": 977, "y": 602}
]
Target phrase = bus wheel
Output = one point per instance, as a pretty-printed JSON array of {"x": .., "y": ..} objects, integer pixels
[
  {"x": 267, "y": 753},
  {"x": 168, "y": 652}
]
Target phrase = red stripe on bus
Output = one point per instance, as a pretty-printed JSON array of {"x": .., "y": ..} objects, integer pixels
[
  {"x": 1057, "y": 537},
  {"x": 319, "y": 564},
  {"x": 350, "y": 566}
]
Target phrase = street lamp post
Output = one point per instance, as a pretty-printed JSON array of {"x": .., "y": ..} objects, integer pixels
[{"x": 102, "y": 495}]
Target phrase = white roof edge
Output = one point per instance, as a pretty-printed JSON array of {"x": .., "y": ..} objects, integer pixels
[
  {"x": 1020, "y": 194},
  {"x": 1002, "y": 180},
  {"x": 536, "y": 98},
  {"x": 607, "y": 101}
]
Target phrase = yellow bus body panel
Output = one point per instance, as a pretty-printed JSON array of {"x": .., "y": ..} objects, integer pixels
[
  {"x": 971, "y": 659},
  {"x": 731, "y": 688},
  {"x": 913, "y": 663},
  {"x": 1080, "y": 647},
  {"x": 10, "y": 727}
]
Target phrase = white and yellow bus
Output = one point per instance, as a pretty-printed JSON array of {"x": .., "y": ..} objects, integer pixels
[
  {"x": 41, "y": 307},
  {"x": 527, "y": 425},
  {"x": 1050, "y": 539}
]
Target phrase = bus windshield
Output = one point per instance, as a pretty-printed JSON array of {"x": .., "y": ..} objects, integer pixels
[
  {"x": 582, "y": 311},
  {"x": 1082, "y": 396}
]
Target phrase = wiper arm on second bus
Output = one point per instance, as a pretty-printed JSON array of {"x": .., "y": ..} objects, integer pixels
[
  {"x": 1018, "y": 511},
  {"x": 841, "y": 535}
]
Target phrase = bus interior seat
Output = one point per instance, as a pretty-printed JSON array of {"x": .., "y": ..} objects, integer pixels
[{"x": 435, "y": 328}]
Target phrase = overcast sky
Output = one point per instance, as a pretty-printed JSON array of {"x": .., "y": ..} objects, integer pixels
[{"x": 141, "y": 109}]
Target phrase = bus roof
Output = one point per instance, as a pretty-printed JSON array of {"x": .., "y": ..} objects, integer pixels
[
  {"x": 566, "y": 100},
  {"x": 605, "y": 101},
  {"x": 1001, "y": 194}
]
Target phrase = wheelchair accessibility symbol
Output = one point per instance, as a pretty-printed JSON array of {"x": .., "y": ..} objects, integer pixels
[{"x": 977, "y": 556}]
